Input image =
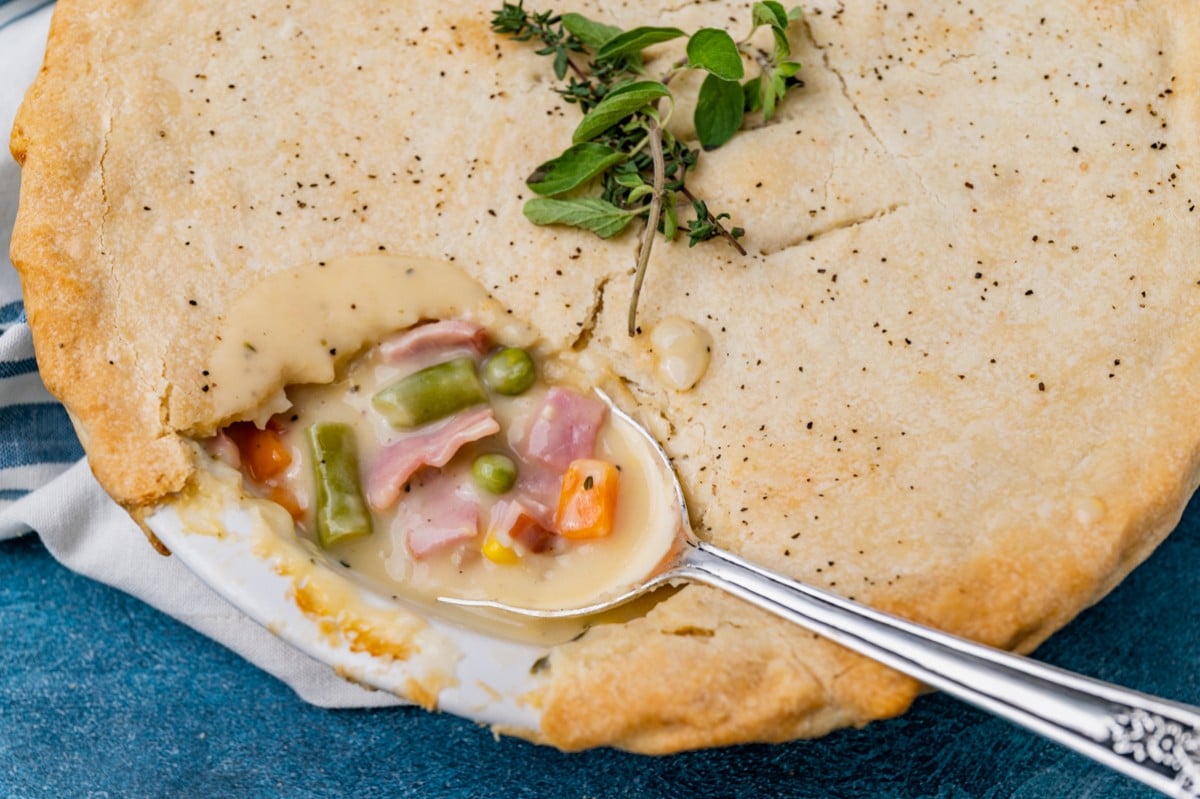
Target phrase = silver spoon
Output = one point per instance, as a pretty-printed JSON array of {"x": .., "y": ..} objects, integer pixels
[{"x": 1153, "y": 740}]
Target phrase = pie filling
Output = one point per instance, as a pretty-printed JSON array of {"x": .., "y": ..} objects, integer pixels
[{"x": 441, "y": 462}]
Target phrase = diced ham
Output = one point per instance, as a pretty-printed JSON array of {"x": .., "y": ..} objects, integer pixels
[
  {"x": 515, "y": 520},
  {"x": 444, "y": 336},
  {"x": 439, "y": 514},
  {"x": 224, "y": 449},
  {"x": 563, "y": 428},
  {"x": 434, "y": 445},
  {"x": 538, "y": 487}
]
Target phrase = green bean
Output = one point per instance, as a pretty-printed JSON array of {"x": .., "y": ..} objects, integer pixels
[
  {"x": 341, "y": 512},
  {"x": 431, "y": 394},
  {"x": 510, "y": 371},
  {"x": 494, "y": 473}
]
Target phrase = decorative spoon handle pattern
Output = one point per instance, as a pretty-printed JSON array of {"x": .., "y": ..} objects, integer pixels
[{"x": 1155, "y": 741}]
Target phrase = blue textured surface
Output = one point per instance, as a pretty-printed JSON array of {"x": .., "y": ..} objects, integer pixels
[{"x": 101, "y": 696}]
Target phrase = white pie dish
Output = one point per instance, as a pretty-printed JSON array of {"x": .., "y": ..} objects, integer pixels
[{"x": 491, "y": 679}]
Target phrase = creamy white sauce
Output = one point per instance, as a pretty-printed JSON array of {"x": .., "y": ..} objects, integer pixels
[
  {"x": 577, "y": 574},
  {"x": 348, "y": 303},
  {"x": 296, "y": 327}
]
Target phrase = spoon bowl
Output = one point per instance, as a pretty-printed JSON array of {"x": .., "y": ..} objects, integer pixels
[
  {"x": 672, "y": 569},
  {"x": 1153, "y": 740}
]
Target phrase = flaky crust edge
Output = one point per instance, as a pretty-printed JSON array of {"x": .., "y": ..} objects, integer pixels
[{"x": 58, "y": 225}]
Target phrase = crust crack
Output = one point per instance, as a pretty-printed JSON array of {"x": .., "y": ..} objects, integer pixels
[
  {"x": 109, "y": 257},
  {"x": 105, "y": 205},
  {"x": 841, "y": 79},
  {"x": 844, "y": 224},
  {"x": 105, "y": 214},
  {"x": 827, "y": 62},
  {"x": 588, "y": 326},
  {"x": 164, "y": 405}
]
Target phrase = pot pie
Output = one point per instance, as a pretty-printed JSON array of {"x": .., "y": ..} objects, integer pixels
[{"x": 953, "y": 379}]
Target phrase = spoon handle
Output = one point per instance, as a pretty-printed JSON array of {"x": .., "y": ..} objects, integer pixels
[{"x": 1153, "y": 740}]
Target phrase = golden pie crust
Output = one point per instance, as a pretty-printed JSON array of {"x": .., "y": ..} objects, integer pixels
[{"x": 955, "y": 378}]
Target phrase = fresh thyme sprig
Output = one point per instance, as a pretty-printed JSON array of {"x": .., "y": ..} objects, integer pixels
[{"x": 622, "y": 145}]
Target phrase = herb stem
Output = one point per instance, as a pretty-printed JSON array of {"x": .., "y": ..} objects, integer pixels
[
  {"x": 654, "y": 134},
  {"x": 675, "y": 69},
  {"x": 579, "y": 73},
  {"x": 712, "y": 220}
]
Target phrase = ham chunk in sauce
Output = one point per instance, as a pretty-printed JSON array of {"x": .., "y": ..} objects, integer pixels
[
  {"x": 563, "y": 429},
  {"x": 518, "y": 521},
  {"x": 538, "y": 487},
  {"x": 440, "y": 513},
  {"x": 434, "y": 445},
  {"x": 436, "y": 338}
]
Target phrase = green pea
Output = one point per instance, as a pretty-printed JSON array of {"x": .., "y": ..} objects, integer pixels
[
  {"x": 510, "y": 371},
  {"x": 494, "y": 473}
]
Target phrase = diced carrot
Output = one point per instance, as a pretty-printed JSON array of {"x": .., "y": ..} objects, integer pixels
[
  {"x": 283, "y": 496},
  {"x": 263, "y": 452},
  {"x": 587, "y": 504}
]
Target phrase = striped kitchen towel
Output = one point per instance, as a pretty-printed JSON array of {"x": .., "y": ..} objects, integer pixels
[
  {"x": 37, "y": 442},
  {"x": 46, "y": 486}
]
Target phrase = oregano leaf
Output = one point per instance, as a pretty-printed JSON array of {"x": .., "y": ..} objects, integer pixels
[
  {"x": 594, "y": 34},
  {"x": 720, "y": 108},
  {"x": 630, "y": 180},
  {"x": 767, "y": 94},
  {"x": 644, "y": 190},
  {"x": 590, "y": 213},
  {"x": 616, "y": 105},
  {"x": 577, "y": 165},
  {"x": 788, "y": 68},
  {"x": 770, "y": 13},
  {"x": 634, "y": 41},
  {"x": 783, "y": 48},
  {"x": 713, "y": 50},
  {"x": 752, "y": 92},
  {"x": 781, "y": 86}
]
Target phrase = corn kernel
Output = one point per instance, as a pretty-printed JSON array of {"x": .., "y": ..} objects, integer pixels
[{"x": 497, "y": 552}]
